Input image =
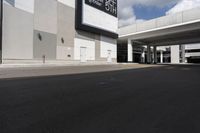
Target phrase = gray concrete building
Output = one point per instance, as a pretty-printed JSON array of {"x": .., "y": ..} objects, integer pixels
[
  {"x": 173, "y": 30},
  {"x": 35, "y": 31}
]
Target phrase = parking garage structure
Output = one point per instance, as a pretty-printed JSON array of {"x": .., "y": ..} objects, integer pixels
[{"x": 174, "y": 30}]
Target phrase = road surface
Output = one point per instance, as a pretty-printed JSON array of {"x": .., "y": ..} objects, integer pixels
[{"x": 164, "y": 99}]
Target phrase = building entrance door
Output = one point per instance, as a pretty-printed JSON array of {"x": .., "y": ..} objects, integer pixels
[
  {"x": 109, "y": 58},
  {"x": 83, "y": 54}
]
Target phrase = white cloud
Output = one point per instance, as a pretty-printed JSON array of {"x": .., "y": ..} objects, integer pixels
[
  {"x": 126, "y": 16},
  {"x": 184, "y": 5},
  {"x": 126, "y": 11}
]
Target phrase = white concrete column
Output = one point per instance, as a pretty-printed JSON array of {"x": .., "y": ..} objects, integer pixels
[
  {"x": 143, "y": 57},
  {"x": 148, "y": 54},
  {"x": 161, "y": 56},
  {"x": 155, "y": 54},
  {"x": 175, "y": 54},
  {"x": 130, "y": 51},
  {"x": 183, "y": 53}
]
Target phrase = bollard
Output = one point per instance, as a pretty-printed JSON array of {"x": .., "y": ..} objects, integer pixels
[{"x": 44, "y": 59}]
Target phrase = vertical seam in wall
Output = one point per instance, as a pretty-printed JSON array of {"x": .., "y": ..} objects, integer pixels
[
  {"x": 56, "y": 20},
  {"x": 97, "y": 42},
  {"x": 34, "y": 4},
  {"x": 57, "y": 40}
]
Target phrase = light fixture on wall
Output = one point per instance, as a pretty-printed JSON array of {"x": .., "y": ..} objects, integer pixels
[
  {"x": 62, "y": 40},
  {"x": 39, "y": 36}
]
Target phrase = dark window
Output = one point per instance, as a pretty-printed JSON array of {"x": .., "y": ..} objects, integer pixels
[{"x": 192, "y": 50}]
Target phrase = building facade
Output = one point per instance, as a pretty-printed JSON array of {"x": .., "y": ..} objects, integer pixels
[
  {"x": 175, "y": 54},
  {"x": 37, "y": 31},
  {"x": 189, "y": 53},
  {"x": 192, "y": 53}
]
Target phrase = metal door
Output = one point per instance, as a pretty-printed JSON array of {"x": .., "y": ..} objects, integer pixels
[
  {"x": 109, "y": 58},
  {"x": 83, "y": 54}
]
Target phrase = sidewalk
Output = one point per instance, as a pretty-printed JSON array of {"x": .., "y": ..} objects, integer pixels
[
  {"x": 19, "y": 71},
  {"x": 50, "y": 65}
]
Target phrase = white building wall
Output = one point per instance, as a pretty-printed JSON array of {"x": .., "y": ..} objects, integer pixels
[
  {"x": 192, "y": 46},
  {"x": 26, "y": 5},
  {"x": 45, "y": 16},
  {"x": 70, "y": 3},
  {"x": 192, "y": 54},
  {"x": 17, "y": 34},
  {"x": 90, "y": 49},
  {"x": 175, "y": 54},
  {"x": 108, "y": 44},
  {"x": 62, "y": 52}
]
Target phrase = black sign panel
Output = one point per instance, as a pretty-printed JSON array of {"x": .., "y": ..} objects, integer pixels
[
  {"x": 108, "y": 6},
  {"x": 79, "y": 17}
]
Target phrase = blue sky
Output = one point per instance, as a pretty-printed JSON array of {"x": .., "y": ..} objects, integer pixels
[
  {"x": 133, "y": 11},
  {"x": 150, "y": 12}
]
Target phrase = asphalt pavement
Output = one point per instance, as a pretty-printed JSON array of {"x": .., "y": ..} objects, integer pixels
[
  {"x": 162, "y": 99},
  {"x": 19, "y": 71}
]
